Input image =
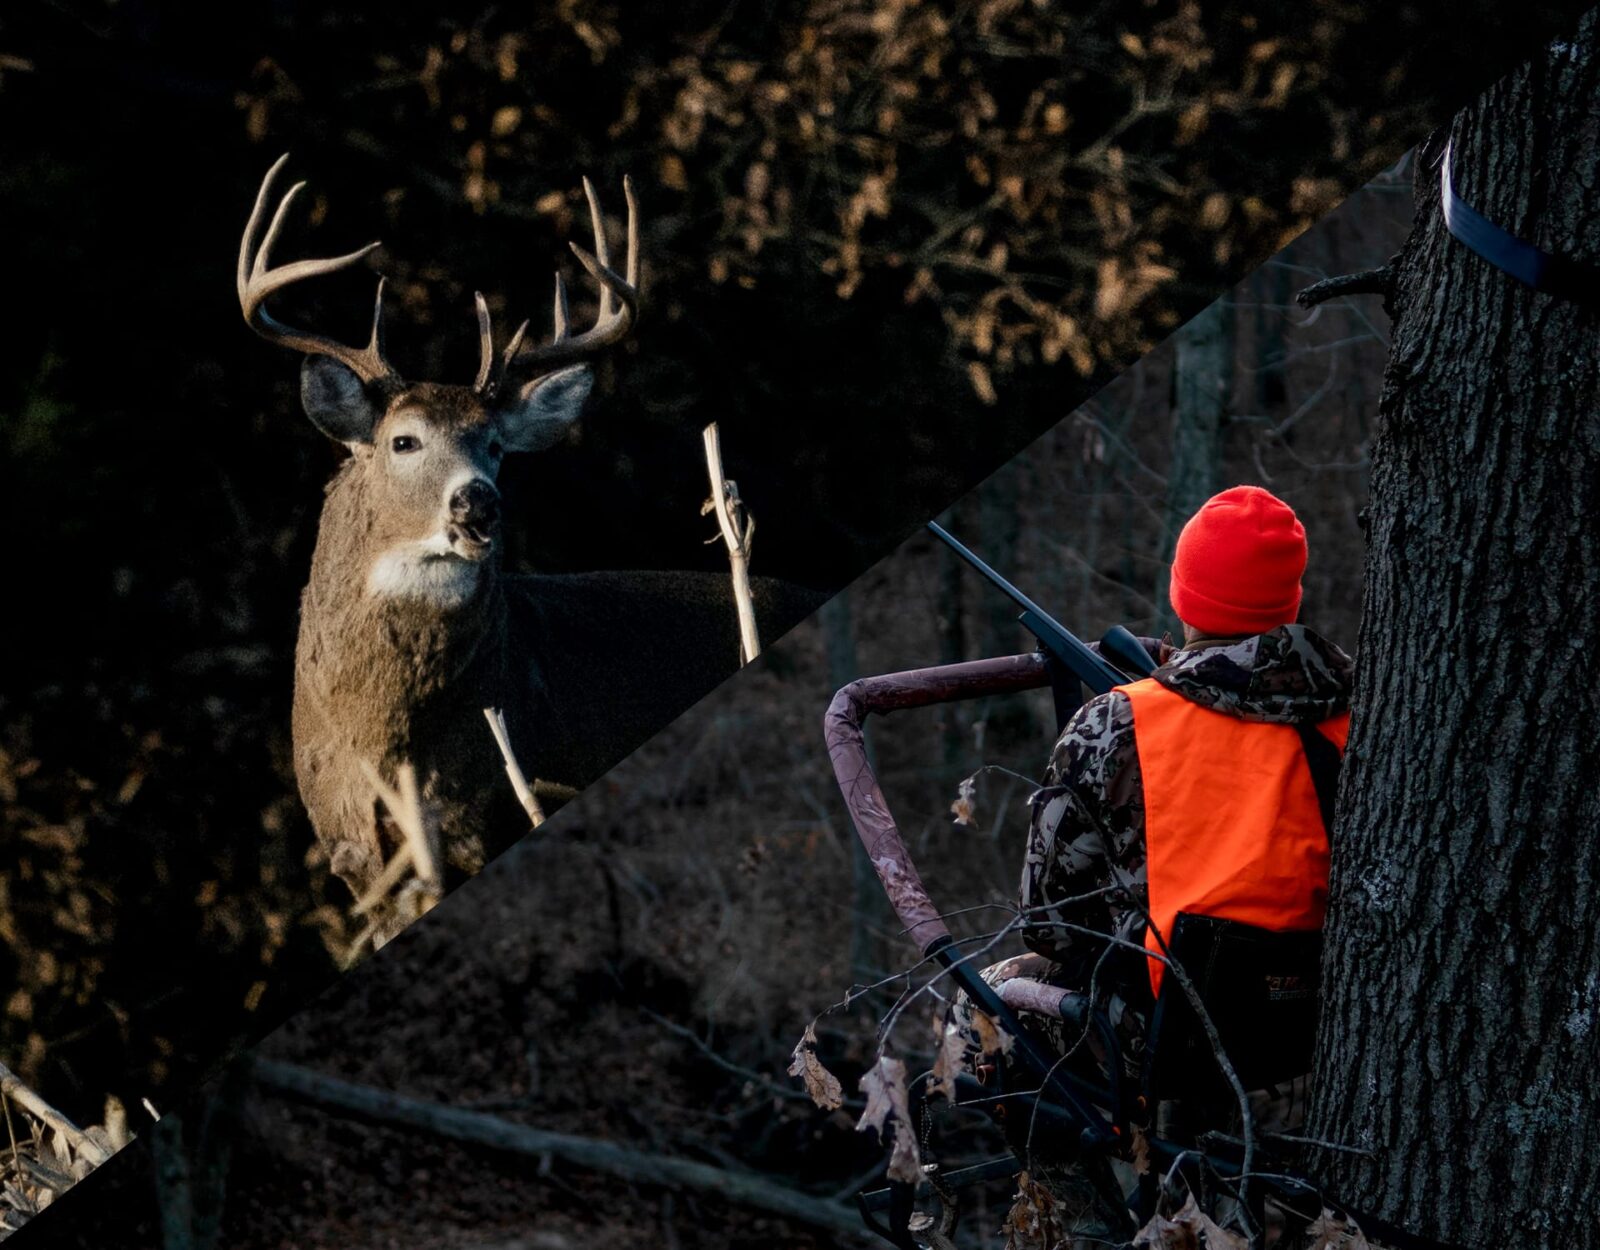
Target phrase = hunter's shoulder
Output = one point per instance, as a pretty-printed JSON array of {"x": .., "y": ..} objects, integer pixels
[{"x": 1099, "y": 734}]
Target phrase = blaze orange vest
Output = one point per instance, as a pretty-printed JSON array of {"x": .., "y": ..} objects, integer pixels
[{"x": 1231, "y": 823}]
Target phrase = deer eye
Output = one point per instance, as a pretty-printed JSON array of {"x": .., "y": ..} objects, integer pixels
[
  {"x": 496, "y": 450},
  {"x": 403, "y": 443}
]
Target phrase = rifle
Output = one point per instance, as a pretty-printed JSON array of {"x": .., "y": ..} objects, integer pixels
[{"x": 1065, "y": 653}]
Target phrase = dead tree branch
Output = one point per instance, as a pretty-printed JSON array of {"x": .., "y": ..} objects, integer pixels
[
  {"x": 1379, "y": 281},
  {"x": 738, "y": 533},
  {"x": 379, "y": 1106},
  {"x": 44, "y": 1153},
  {"x": 12, "y": 1087},
  {"x": 385, "y": 908},
  {"x": 519, "y": 780}
]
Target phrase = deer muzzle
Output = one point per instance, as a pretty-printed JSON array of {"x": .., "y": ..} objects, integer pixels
[{"x": 474, "y": 518}]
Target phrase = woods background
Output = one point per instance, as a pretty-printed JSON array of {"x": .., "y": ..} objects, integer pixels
[
  {"x": 886, "y": 244},
  {"x": 639, "y": 972}
]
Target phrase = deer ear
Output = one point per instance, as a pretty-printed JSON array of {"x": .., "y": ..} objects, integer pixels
[
  {"x": 543, "y": 410},
  {"x": 336, "y": 400}
]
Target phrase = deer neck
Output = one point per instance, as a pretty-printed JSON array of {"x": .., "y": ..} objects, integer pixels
[{"x": 379, "y": 664}]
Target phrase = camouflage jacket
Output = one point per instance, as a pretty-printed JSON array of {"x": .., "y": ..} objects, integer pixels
[{"x": 1087, "y": 828}]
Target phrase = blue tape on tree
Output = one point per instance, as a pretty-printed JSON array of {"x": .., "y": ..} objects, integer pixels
[{"x": 1532, "y": 266}]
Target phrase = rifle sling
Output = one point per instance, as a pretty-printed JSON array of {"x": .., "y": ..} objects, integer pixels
[{"x": 1324, "y": 760}]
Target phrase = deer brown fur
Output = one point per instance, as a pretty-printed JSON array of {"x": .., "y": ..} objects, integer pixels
[{"x": 409, "y": 629}]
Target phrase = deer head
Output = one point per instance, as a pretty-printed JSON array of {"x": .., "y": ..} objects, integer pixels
[{"x": 425, "y": 455}]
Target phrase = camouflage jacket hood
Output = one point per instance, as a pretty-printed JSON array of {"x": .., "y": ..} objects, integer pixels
[{"x": 1289, "y": 675}]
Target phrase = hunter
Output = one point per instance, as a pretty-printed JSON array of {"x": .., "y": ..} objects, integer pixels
[{"x": 1187, "y": 789}]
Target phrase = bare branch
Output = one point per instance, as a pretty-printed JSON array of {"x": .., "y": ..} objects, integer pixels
[
  {"x": 379, "y": 1106},
  {"x": 388, "y": 909},
  {"x": 12, "y": 1087},
  {"x": 738, "y": 533},
  {"x": 519, "y": 782},
  {"x": 1379, "y": 281}
]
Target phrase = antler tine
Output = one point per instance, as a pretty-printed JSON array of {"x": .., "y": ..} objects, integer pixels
[
  {"x": 486, "y": 361},
  {"x": 247, "y": 243},
  {"x": 559, "y": 334},
  {"x": 619, "y": 295},
  {"x": 632, "y": 268},
  {"x": 257, "y": 281},
  {"x": 512, "y": 348},
  {"x": 610, "y": 281},
  {"x": 515, "y": 346},
  {"x": 375, "y": 342},
  {"x": 601, "y": 251}
]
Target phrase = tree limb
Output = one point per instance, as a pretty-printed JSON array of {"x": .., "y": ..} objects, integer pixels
[
  {"x": 738, "y": 528},
  {"x": 12, "y": 1087},
  {"x": 379, "y": 1106},
  {"x": 1379, "y": 281},
  {"x": 519, "y": 781}
]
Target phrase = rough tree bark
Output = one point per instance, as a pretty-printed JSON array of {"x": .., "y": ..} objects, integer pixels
[{"x": 1461, "y": 1027}]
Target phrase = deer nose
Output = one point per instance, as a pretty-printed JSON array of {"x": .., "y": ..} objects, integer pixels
[{"x": 477, "y": 503}]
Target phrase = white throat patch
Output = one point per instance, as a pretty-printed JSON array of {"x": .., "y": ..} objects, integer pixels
[{"x": 426, "y": 570}]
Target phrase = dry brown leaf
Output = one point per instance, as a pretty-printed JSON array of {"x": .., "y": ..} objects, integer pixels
[
  {"x": 1032, "y": 1222},
  {"x": 982, "y": 382},
  {"x": 1190, "y": 1229},
  {"x": 992, "y": 1039},
  {"x": 1164, "y": 1234},
  {"x": 1330, "y": 1231},
  {"x": 884, "y": 1084},
  {"x": 925, "y": 1230},
  {"x": 1139, "y": 1152},
  {"x": 950, "y": 1055},
  {"x": 821, "y": 1084},
  {"x": 963, "y": 808}
]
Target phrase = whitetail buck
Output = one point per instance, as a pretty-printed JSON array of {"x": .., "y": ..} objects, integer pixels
[{"x": 408, "y": 630}]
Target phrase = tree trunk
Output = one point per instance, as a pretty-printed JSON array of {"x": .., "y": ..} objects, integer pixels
[
  {"x": 1202, "y": 382},
  {"x": 191, "y": 1170},
  {"x": 1461, "y": 1023},
  {"x": 1275, "y": 283}
]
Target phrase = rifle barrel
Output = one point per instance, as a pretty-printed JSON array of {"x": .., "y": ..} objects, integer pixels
[
  {"x": 1089, "y": 668},
  {"x": 972, "y": 558}
]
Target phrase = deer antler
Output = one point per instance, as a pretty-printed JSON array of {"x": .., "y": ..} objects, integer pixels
[
  {"x": 619, "y": 305},
  {"x": 257, "y": 282}
]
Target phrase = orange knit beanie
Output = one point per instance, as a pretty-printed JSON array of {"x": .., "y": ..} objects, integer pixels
[{"x": 1238, "y": 564}]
